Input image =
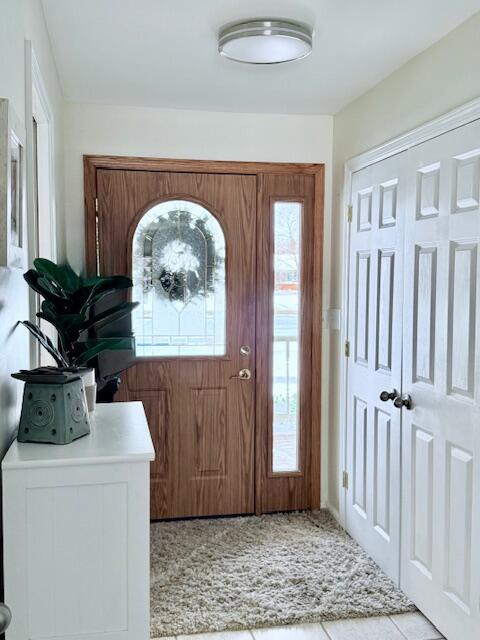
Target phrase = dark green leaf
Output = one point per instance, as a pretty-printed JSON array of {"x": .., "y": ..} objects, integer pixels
[
  {"x": 94, "y": 298},
  {"x": 64, "y": 323},
  {"x": 46, "y": 343},
  {"x": 98, "y": 288},
  {"x": 52, "y": 286},
  {"x": 63, "y": 275},
  {"x": 48, "y": 307},
  {"x": 94, "y": 347},
  {"x": 110, "y": 315},
  {"x": 43, "y": 287}
]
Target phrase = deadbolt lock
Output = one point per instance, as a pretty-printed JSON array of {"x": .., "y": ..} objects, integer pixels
[{"x": 245, "y": 350}]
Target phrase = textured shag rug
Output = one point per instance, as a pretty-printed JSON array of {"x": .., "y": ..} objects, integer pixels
[{"x": 239, "y": 573}]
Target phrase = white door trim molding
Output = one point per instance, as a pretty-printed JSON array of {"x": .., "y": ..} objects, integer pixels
[
  {"x": 38, "y": 105},
  {"x": 447, "y": 122}
]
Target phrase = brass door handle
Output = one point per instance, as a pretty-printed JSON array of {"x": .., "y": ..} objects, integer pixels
[{"x": 243, "y": 374}]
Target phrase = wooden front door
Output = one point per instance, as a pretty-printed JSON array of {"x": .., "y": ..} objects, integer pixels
[
  {"x": 195, "y": 320},
  {"x": 228, "y": 277}
]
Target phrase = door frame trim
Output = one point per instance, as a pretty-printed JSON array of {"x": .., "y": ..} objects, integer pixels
[
  {"x": 466, "y": 113},
  {"x": 92, "y": 163}
]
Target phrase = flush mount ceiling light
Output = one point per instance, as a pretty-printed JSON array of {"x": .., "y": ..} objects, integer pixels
[{"x": 265, "y": 41}]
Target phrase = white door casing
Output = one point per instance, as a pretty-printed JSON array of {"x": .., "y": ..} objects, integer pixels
[
  {"x": 441, "y": 434},
  {"x": 374, "y": 365}
]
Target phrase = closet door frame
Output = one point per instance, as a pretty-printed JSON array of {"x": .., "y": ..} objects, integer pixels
[{"x": 458, "y": 117}]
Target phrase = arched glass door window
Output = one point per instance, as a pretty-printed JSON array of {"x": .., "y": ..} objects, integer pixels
[{"x": 178, "y": 272}]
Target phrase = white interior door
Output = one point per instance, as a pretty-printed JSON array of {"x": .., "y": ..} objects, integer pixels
[
  {"x": 374, "y": 365},
  {"x": 441, "y": 433}
]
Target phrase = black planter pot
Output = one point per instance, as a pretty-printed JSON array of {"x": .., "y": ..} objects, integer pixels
[{"x": 107, "y": 392}]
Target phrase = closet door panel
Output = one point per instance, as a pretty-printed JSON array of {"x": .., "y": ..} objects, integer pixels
[
  {"x": 441, "y": 433},
  {"x": 374, "y": 365}
]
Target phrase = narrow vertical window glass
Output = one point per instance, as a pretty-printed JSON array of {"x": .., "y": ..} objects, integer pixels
[{"x": 286, "y": 336}]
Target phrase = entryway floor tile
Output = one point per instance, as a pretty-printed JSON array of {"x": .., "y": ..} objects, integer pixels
[
  {"x": 415, "y": 626},
  {"x": 291, "y": 632},
  {"x": 219, "y": 635},
  {"x": 378, "y": 628},
  {"x": 404, "y": 626}
]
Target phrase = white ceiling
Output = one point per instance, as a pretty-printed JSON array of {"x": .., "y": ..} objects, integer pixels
[{"x": 164, "y": 52}]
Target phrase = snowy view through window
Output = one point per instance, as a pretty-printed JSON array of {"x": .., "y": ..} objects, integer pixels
[{"x": 286, "y": 333}]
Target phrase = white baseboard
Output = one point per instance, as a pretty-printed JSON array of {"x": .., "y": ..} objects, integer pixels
[{"x": 334, "y": 512}]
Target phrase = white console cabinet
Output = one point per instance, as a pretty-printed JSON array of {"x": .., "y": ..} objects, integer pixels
[{"x": 76, "y": 532}]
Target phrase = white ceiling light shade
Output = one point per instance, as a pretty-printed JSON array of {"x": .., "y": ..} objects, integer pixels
[{"x": 265, "y": 41}]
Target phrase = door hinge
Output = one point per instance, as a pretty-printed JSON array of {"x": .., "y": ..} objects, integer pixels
[
  {"x": 347, "y": 348},
  {"x": 96, "y": 205},
  {"x": 349, "y": 213},
  {"x": 345, "y": 480}
]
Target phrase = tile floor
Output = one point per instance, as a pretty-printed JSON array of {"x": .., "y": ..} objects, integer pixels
[{"x": 405, "y": 626}]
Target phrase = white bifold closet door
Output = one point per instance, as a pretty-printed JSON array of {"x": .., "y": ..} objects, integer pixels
[
  {"x": 440, "y": 553},
  {"x": 413, "y": 500},
  {"x": 375, "y": 363}
]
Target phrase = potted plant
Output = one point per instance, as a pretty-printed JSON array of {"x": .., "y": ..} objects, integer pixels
[{"x": 81, "y": 309}]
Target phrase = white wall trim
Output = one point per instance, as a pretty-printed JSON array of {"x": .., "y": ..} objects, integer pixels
[
  {"x": 31, "y": 224},
  {"x": 334, "y": 512},
  {"x": 39, "y": 85},
  {"x": 447, "y": 122},
  {"x": 36, "y": 97},
  {"x": 41, "y": 94}
]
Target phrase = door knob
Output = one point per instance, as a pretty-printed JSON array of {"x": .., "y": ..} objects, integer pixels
[
  {"x": 403, "y": 401},
  {"x": 243, "y": 374},
  {"x": 385, "y": 396},
  {"x": 5, "y": 617}
]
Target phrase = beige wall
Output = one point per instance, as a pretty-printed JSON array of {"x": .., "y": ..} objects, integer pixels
[
  {"x": 21, "y": 20},
  {"x": 441, "y": 78},
  {"x": 171, "y": 133}
]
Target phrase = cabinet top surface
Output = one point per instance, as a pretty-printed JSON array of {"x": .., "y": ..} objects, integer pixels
[{"x": 119, "y": 433}]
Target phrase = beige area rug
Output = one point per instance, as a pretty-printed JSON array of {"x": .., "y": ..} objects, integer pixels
[{"x": 239, "y": 573}]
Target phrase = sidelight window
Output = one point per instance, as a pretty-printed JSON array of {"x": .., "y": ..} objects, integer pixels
[
  {"x": 286, "y": 336},
  {"x": 178, "y": 272}
]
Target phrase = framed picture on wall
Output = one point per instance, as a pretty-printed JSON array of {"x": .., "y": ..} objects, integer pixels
[{"x": 12, "y": 189}]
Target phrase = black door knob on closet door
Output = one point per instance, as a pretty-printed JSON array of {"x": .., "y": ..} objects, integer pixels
[
  {"x": 385, "y": 396},
  {"x": 403, "y": 401}
]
